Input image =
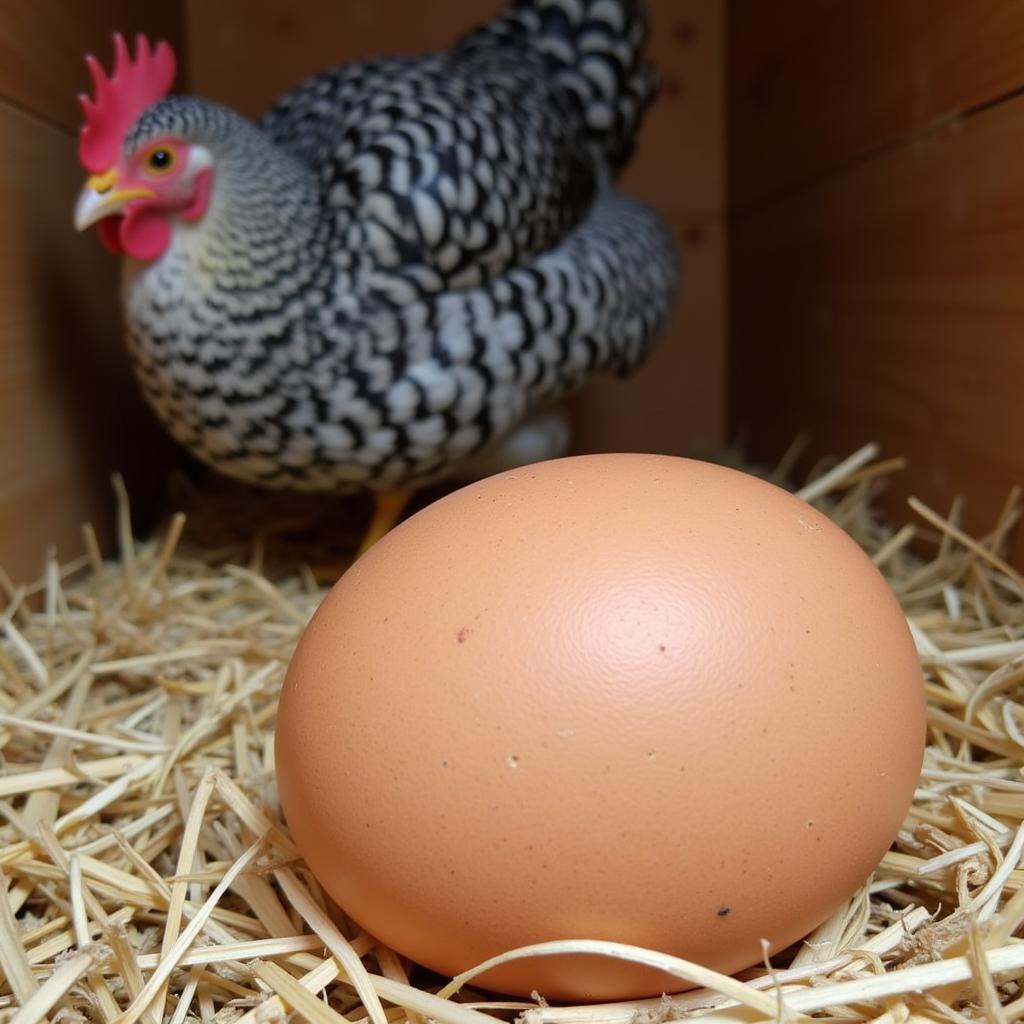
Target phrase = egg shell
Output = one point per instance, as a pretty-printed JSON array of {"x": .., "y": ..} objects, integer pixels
[{"x": 624, "y": 697}]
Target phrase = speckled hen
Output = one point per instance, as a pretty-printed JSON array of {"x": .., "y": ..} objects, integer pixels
[{"x": 395, "y": 274}]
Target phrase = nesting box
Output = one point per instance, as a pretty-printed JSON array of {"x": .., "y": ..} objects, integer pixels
[{"x": 842, "y": 179}]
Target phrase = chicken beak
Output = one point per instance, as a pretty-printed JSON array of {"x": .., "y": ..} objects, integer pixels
[{"x": 101, "y": 197}]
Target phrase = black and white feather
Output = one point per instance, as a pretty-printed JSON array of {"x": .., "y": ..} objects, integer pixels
[{"x": 407, "y": 259}]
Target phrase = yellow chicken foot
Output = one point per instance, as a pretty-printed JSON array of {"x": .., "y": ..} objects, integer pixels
[{"x": 387, "y": 510}]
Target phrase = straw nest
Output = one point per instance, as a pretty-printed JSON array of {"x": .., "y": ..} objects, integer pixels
[{"x": 148, "y": 877}]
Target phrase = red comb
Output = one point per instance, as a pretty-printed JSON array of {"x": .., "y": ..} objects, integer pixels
[{"x": 121, "y": 98}]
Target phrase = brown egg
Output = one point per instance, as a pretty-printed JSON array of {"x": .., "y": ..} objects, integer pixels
[{"x": 621, "y": 697}]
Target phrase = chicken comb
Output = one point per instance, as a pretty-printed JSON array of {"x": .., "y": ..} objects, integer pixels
[{"x": 121, "y": 97}]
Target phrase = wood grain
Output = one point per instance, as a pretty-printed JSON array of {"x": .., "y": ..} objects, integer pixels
[
  {"x": 680, "y": 159},
  {"x": 245, "y": 55},
  {"x": 817, "y": 84},
  {"x": 43, "y": 42},
  {"x": 887, "y": 303},
  {"x": 674, "y": 405},
  {"x": 69, "y": 412}
]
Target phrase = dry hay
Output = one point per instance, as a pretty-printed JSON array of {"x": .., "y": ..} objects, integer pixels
[{"x": 148, "y": 877}]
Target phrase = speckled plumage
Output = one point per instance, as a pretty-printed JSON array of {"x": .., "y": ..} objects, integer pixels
[{"x": 407, "y": 258}]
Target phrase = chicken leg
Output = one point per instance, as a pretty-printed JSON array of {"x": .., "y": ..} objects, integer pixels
[{"x": 388, "y": 507}]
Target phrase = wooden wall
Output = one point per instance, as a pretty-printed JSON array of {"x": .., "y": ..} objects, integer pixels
[
  {"x": 69, "y": 412},
  {"x": 877, "y": 279},
  {"x": 244, "y": 54}
]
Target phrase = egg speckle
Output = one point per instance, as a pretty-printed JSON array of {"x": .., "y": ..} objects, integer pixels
[{"x": 622, "y": 697}]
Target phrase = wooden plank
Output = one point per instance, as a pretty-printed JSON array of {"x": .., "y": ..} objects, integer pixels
[
  {"x": 43, "y": 42},
  {"x": 675, "y": 404},
  {"x": 817, "y": 84},
  {"x": 887, "y": 303},
  {"x": 679, "y": 164},
  {"x": 70, "y": 413},
  {"x": 246, "y": 54}
]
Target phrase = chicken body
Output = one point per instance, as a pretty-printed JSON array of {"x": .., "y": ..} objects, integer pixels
[{"x": 405, "y": 259}]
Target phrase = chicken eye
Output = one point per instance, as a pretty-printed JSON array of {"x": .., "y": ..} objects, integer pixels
[{"x": 161, "y": 160}]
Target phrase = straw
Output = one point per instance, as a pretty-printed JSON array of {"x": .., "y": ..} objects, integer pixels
[{"x": 147, "y": 874}]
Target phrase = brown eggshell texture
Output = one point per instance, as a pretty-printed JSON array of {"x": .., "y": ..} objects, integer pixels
[{"x": 622, "y": 697}]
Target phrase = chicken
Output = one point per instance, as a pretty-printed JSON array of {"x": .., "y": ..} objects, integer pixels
[{"x": 396, "y": 274}]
